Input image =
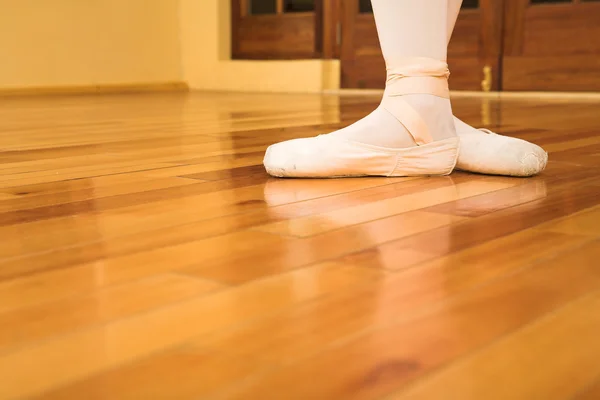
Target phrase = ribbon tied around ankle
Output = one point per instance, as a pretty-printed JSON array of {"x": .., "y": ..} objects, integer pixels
[
  {"x": 418, "y": 76},
  {"x": 415, "y": 76}
]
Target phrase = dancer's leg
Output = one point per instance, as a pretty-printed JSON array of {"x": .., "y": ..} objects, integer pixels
[
  {"x": 453, "y": 10},
  {"x": 412, "y": 131},
  {"x": 485, "y": 152}
]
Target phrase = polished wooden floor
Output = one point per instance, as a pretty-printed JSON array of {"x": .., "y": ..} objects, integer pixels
[{"x": 145, "y": 254}]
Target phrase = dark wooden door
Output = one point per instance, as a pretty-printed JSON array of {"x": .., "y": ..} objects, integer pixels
[
  {"x": 552, "y": 45},
  {"x": 474, "y": 54}
]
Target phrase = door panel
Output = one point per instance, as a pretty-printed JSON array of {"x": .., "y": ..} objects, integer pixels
[
  {"x": 552, "y": 45},
  {"x": 276, "y": 29},
  {"x": 475, "y": 44}
]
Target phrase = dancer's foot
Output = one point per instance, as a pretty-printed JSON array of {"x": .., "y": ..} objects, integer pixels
[
  {"x": 485, "y": 152},
  {"x": 411, "y": 133}
]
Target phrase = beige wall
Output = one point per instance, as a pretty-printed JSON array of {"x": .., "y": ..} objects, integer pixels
[
  {"x": 62, "y": 43},
  {"x": 88, "y": 42}
]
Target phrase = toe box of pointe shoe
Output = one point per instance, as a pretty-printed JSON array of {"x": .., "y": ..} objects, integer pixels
[
  {"x": 285, "y": 159},
  {"x": 500, "y": 155}
]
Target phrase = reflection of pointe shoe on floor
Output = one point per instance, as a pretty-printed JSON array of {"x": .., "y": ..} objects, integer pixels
[
  {"x": 413, "y": 111},
  {"x": 486, "y": 152},
  {"x": 390, "y": 204},
  {"x": 286, "y": 191}
]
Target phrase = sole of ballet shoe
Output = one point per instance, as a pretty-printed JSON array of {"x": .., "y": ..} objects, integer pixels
[{"x": 328, "y": 157}]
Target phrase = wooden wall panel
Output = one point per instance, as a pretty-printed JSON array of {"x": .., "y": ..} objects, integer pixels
[
  {"x": 552, "y": 73},
  {"x": 552, "y": 47},
  {"x": 566, "y": 29},
  {"x": 276, "y": 36},
  {"x": 463, "y": 52}
]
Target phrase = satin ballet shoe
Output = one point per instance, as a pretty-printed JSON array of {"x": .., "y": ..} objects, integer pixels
[
  {"x": 486, "y": 152},
  {"x": 330, "y": 157},
  {"x": 333, "y": 156}
]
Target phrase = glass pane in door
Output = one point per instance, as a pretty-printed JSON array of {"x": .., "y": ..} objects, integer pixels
[
  {"x": 470, "y": 4},
  {"x": 299, "y": 5},
  {"x": 262, "y": 7},
  {"x": 364, "y": 6}
]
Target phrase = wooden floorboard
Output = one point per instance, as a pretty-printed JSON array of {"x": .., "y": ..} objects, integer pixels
[{"x": 146, "y": 254}]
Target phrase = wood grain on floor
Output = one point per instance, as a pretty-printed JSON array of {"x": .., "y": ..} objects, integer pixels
[{"x": 145, "y": 254}]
